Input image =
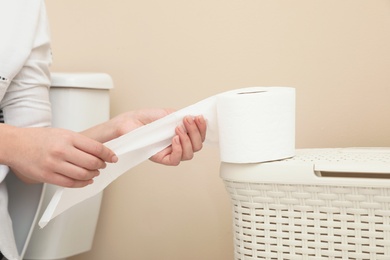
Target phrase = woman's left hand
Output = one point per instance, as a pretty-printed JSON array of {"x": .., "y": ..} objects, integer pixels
[{"x": 188, "y": 140}]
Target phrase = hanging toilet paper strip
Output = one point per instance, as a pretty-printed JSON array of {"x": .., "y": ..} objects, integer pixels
[{"x": 249, "y": 125}]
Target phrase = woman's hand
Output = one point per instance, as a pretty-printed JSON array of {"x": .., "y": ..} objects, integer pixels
[
  {"x": 188, "y": 140},
  {"x": 56, "y": 156}
]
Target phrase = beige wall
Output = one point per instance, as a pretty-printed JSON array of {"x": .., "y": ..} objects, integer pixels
[{"x": 172, "y": 53}]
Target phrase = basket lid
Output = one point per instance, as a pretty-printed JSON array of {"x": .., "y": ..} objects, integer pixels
[{"x": 347, "y": 166}]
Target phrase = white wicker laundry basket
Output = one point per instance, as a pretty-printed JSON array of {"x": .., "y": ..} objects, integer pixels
[{"x": 321, "y": 204}]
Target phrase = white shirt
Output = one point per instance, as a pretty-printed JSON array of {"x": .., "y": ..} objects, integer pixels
[{"x": 25, "y": 57}]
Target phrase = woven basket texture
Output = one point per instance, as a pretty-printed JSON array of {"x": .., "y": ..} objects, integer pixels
[{"x": 277, "y": 221}]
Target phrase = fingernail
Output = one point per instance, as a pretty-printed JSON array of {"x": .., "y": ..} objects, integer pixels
[
  {"x": 182, "y": 129},
  {"x": 114, "y": 159},
  {"x": 200, "y": 118},
  {"x": 190, "y": 120}
]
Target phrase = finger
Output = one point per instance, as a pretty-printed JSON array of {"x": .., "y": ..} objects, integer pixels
[
  {"x": 65, "y": 181},
  {"x": 171, "y": 155},
  {"x": 186, "y": 144},
  {"x": 160, "y": 157},
  {"x": 176, "y": 154},
  {"x": 72, "y": 183},
  {"x": 202, "y": 126},
  {"x": 194, "y": 133},
  {"x": 85, "y": 160},
  {"x": 75, "y": 172},
  {"x": 95, "y": 148}
]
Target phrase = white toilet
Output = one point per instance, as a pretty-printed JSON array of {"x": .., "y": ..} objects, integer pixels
[{"x": 79, "y": 100}]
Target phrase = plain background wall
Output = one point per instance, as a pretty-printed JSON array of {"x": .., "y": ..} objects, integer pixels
[{"x": 173, "y": 53}]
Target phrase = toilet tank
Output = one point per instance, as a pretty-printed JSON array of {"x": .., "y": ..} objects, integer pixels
[{"x": 79, "y": 101}]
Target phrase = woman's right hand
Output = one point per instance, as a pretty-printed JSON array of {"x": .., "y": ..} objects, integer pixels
[{"x": 56, "y": 156}]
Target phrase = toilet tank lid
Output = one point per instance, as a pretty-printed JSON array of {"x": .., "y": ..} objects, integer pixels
[{"x": 81, "y": 80}]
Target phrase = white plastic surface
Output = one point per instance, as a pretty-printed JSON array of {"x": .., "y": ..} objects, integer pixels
[
  {"x": 75, "y": 108},
  {"x": 81, "y": 80},
  {"x": 306, "y": 167}
]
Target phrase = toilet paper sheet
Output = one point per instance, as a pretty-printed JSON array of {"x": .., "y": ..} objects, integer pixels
[{"x": 249, "y": 125}]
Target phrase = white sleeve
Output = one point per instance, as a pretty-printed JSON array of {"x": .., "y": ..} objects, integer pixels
[
  {"x": 18, "y": 23},
  {"x": 25, "y": 102},
  {"x": 24, "y": 76},
  {"x": 7, "y": 245}
]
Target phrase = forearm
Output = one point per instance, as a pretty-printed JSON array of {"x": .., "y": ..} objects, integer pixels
[
  {"x": 9, "y": 134},
  {"x": 8, "y": 148},
  {"x": 101, "y": 133},
  {"x": 117, "y": 126}
]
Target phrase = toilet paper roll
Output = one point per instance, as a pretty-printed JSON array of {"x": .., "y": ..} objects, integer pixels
[
  {"x": 249, "y": 125},
  {"x": 256, "y": 125}
]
